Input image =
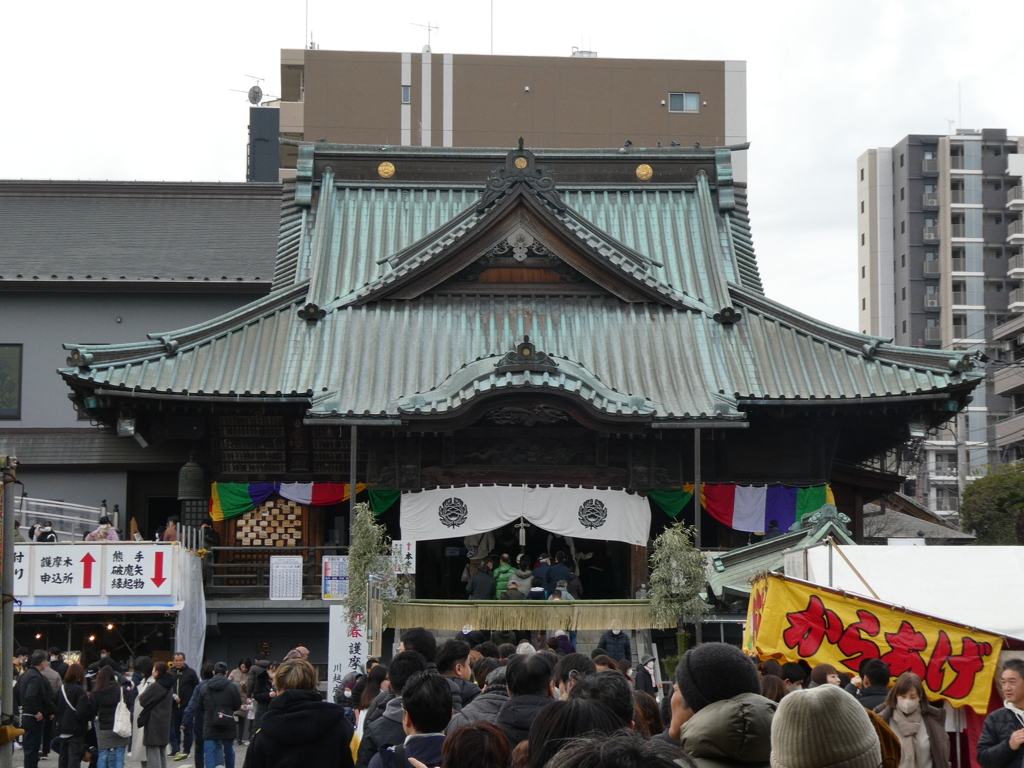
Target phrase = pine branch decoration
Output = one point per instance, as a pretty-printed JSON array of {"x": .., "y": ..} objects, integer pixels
[{"x": 678, "y": 576}]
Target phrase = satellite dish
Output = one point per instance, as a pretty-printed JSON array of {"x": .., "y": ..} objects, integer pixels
[{"x": 255, "y": 95}]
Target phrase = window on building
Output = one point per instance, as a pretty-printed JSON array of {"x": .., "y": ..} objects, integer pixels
[
  {"x": 862, "y": 174},
  {"x": 10, "y": 381},
  {"x": 862, "y": 271},
  {"x": 903, "y": 193},
  {"x": 406, "y": 94},
  {"x": 862, "y": 239},
  {"x": 904, "y": 326},
  {"x": 929, "y": 154},
  {"x": 903, "y": 227},
  {"x": 929, "y": 189},
  {"x": 901, "y": 161},
  {"x": 684, "y": 102},
  {"x": 904, "y": 291},
  {"x": 903, "y": 259},
  {"x": 862, "y": 206},
  {"x": 863, "y": 304}
]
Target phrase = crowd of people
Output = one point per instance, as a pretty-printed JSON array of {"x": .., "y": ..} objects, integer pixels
[
  {"x": 464, "y": 704},
  {"x": 498, "y": 578}
]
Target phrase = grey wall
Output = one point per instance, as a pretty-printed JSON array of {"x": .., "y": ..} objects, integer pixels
[
  {"x": 42, "y": 321},
  {"x": 76, "y": 486}
]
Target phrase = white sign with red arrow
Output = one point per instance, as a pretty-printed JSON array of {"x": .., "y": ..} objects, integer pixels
[
  {"x": 138, "y": 569},
  {"x": 65, "y": 570}
]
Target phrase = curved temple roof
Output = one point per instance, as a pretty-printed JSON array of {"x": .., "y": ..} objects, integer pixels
[{"x": 694, "y": 338}]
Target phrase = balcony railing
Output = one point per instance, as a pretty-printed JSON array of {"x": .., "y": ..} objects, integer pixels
[
  {"x": 1016, "y": 296},
  {"x": 957, "y": 230},
  {"x": 931, "y": 234},
  {"x": 932, "y": 267},
  {"x": 1015, "y": 262},
  {"x": 1015, "y": 227},
  {"x": 956, "y": 196},
  {"x": 1015, "y": 195},
  {"x": 930, "y": 165},
  {"x": 956, "y": 162},
  {"x": 931, "y": 301},
  {"x": 959, "y": 297},
  {"x": 930, "y": 200},
  {"x": 245, "y": 571},
  {"x": 932, "y": 334}
]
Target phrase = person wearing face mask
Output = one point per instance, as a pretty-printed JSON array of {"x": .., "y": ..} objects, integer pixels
[
  {"x": 616, "y": 643},
  {"x": 919, "y": 726},
  {"x": 645, "y": 679}
]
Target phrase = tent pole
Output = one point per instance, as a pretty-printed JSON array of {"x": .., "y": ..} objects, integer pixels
[
  {"x": 7, "y": 479},
  {"x": 352, "y": 484}
]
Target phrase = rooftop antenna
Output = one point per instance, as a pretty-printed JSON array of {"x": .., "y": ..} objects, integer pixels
[
  {"x": 950, "y": 126},
  {"x": 255, "y": 93},
  {"x": 434, "y": 28},
  {"x": 959, "y": 107}
]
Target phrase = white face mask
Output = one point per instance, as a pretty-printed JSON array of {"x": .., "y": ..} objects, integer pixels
[
  {"x": 616, "y": 631},
  {"x": 650, "y": 665},
  {"x": 103, "y": 655},
  {"x": 908, "y": 706}
]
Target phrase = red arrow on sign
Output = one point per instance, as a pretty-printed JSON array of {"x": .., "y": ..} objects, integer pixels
[
  {"x": 158, "y": 571},
  {"x": 87, "y": 561}
]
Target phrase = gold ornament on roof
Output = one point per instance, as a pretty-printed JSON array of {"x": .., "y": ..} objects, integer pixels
[
  {"x": 386, "y": 170},
  {"x": 521, "y": 162},
  {"x": 644, "y": 172}
]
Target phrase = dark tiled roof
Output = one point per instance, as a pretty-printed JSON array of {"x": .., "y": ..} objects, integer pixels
[{"x": 97, "y": 233}]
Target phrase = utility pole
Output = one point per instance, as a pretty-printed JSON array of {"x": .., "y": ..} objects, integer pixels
[{"x": 7, "y": 465}]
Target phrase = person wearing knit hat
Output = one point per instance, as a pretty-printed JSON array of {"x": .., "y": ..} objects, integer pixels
[
  {"x": 823, "y": 727},
  {"x": 719, "y": 696}
]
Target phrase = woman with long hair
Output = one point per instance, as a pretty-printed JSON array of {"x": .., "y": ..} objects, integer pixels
[
  {"x": 376, "y": 681},
  {"x": 920, "y": 726},
  {"x": 106, "y": 694},
  {"x": 153, "y": 712},
  {"x": 238, "y": 676}
]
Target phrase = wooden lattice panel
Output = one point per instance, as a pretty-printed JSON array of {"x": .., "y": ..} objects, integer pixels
[{"x": 277, "y": 523}]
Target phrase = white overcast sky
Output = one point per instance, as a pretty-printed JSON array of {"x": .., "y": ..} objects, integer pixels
[{"x": 139, "y": 90}]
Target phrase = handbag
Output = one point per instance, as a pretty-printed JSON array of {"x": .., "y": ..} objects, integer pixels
[{"x": 122, "y": 719}]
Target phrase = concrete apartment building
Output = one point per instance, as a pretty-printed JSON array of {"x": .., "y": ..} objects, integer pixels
[
  {"x": 939, "y": 266},
  {"x": 455, "y": 100}
]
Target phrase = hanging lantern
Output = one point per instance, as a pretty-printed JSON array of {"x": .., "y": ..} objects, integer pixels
[{"x": 191, "y": 481}]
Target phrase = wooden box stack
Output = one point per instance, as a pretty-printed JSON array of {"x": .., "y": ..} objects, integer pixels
[{"x": 276, "y": 523}]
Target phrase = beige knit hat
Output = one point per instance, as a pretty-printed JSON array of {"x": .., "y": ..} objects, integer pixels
[{"x": 824, "y": 727}]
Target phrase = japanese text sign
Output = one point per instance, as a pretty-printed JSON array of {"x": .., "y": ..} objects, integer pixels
[
  {"x": 789, "y": 620},
  {"x": 347, "y": 647},
  {"x": 58, "y": 569},
  {"x": 404, "y": 552},
  {"x": 334, "y": 569},
  {"x": 137, "y": 569}
]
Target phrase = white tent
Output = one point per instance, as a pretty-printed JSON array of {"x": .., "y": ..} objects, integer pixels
[{"x": 975, "y": 586}]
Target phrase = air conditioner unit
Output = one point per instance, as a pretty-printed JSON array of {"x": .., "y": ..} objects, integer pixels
[{"x": 931, "y": 302}]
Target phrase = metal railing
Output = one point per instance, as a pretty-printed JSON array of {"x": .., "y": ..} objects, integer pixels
[
  {"x": 956, "y": 162},
  {"x": 1017, "y": 296},
  {"x": 932, "y": 334},
  {"x": 71, "y": 522},
  {"x": 245, "y": 571},
  {"x": 959, "y": 297},
  {"x": 957, "y": 230},
  {"x": 1015, "y": 227},
  {"x": 930, "y": 233},
  {"x": 1015, "y": 262},
  {"x": 956, "y": 196},
  {"x": 1014, "y": 194},
  {"x": 933, "y": 268},
  {"x": 930, "y": 165}
]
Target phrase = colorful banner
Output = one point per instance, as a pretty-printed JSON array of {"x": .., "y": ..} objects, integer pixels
[
  {"x": 234, "y": 499},
  {"x": 790, "y": 620},
  {"x": 586, "y": 513},
  {"x": 749, "y": 508}
]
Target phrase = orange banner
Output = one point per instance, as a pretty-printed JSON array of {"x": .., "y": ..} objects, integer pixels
[{"x": 790, "y": 620}]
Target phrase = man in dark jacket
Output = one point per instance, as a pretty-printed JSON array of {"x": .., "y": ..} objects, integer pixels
[
  {"x": 513, "y": 592},
  {"x": 485, "y": 706},
  {"x": 388, "y": 730},
  {"x": 194, "y": 714},
  {"x": 218, "y": 702},
  {"x": 616, "y": 644},
  {"x": 427, "y": 705},
  {"x": 1003, "y": 733},
  {"x": 556, "y": 573},
  {"x": 481, "y": 583},
  {"x": 530, "y": 688},
  {"x": 258, "y": 681},
  {"x": 34, "y": 694},
  {"x": 413, "y": 639},
  {"x": 453, "y": 664},
  {"x": 184, "y": 681},
  {"x": 875, "y": 686}
]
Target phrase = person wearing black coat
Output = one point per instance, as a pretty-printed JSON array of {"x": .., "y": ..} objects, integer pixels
[
  {"x": 875, "y": 674},
  {"x": 153, "y": 712},
  {"x": 300, "y": 729},
  {"x": 185, "y": 680},
  {"x": 1002, "y": 736},
  {"x": 102, "y": 704},
  {"x": 645, "y": 676},
  {"x": 70, "y": 726},
  {"x": 556, "y": 573},
  {"x": 34, "y": 694},
  {"x": 481, "y": 584},
  {"x": 218, "y": 701},
  {"x": 616, "y": 644}
]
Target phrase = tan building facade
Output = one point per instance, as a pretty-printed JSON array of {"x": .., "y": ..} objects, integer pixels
[{"x": 453, "y": 100}]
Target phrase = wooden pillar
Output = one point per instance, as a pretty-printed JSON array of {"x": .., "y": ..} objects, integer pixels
[
  {"x": 858, "y": 515},
  {"x": 352, "y": 487},
  {"x": 638, "y": 575}
]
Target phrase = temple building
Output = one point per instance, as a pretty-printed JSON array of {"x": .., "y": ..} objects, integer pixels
[{"x": 481, "y": 339}]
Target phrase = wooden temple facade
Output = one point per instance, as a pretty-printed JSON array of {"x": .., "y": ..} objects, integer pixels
[{"x": 469, "y": 316}]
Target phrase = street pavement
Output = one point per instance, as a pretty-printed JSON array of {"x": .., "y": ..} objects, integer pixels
[{"x": 130, "y": 762}]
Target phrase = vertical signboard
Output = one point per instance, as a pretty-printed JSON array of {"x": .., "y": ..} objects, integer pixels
[
  {"x": 404, "y": 552},
  {"x": 335, "y": 577},
  {"x": 285, "y": 577},
  {"x": 137, "y": 569},
  {"x": 347, "y": 648}
]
